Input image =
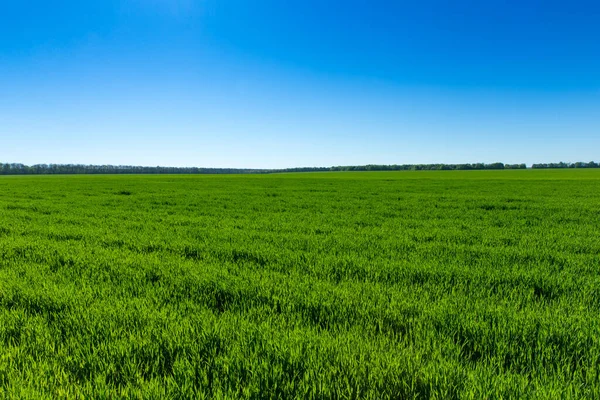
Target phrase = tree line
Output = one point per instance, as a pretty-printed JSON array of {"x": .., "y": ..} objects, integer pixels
[
  {"x": 48, "y": 169},
  {"x": 561, "y": 164},
  {"x": 429, "y": 167}
]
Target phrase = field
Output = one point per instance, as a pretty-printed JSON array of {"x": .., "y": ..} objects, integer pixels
[{"x": 467, "y": 284}]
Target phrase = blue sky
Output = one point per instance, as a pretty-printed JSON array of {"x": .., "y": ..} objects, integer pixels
[{"x": 268, "y": 84}]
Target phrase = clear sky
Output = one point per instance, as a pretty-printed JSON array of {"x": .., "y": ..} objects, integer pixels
[{"x": 267, "y": 84}]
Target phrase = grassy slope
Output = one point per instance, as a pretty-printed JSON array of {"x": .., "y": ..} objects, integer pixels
[{"x": 446, "y": 284}]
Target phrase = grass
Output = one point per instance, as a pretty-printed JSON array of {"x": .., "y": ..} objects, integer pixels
[{"x": 467, "y": 284}]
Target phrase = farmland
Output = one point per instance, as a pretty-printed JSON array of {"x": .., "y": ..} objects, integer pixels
[{"x": 450, "y": 284}]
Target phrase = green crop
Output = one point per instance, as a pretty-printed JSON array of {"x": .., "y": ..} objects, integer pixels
[{"x": 386, "y": 285}]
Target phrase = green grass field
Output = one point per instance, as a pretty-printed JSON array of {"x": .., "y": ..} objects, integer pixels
[{"x": 470, "y": 285}]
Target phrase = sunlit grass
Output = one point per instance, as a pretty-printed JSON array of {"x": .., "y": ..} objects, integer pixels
[{"x": 471, "y": 284}]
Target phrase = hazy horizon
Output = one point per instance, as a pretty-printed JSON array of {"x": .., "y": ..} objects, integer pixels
[{"x": 266, "y": 85}]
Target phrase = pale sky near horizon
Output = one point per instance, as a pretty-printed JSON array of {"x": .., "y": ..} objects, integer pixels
[{"x": 271, "y": 84}]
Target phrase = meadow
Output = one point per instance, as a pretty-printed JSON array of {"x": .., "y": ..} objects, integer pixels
[{"x": 346, "y": 285}]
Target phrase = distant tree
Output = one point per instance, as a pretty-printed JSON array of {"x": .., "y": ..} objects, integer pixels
[{"x": 20, "y": 169}]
